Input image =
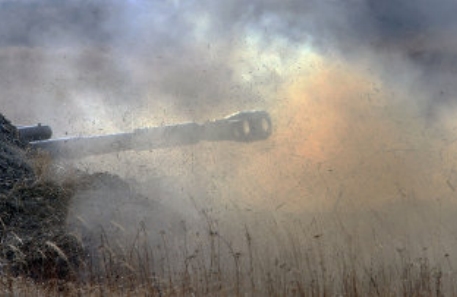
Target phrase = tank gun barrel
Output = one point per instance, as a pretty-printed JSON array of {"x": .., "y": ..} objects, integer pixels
[{"x": 246, "y": 126}]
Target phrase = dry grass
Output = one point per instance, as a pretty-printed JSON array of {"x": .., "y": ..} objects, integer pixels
[{"x": 335, "y": 254}]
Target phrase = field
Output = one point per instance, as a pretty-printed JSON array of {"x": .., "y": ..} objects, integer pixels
[{"x": 401, "y": 249}]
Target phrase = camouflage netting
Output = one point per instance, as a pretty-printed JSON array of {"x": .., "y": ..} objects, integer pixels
[{"x": 33, "y": 211}]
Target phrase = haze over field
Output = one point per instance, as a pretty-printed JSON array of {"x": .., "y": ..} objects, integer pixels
[{"x": 362, "y": 93}]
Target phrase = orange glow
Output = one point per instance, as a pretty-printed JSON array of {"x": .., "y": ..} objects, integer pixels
[
  {"x": 311, "y": 125},
  {"x": 337, "y": 136}
]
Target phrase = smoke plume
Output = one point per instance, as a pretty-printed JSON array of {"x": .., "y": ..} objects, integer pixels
[{"x": 361, "y": 91}]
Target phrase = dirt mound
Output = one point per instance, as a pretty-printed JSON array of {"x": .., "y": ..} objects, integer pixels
[
  {"x": 34, "y": 205},
  {"x": 34, "y": 241},
  {"x": 14, "y": 167},
  {"x": 49, "y": 216}
]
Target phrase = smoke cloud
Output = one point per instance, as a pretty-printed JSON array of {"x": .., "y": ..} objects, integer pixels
[
  {"x": 193, "y": 53},
  {"x": 361, "y": 91}
]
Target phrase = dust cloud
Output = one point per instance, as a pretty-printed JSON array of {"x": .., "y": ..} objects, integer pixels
[{"x": 361, "y": 94}]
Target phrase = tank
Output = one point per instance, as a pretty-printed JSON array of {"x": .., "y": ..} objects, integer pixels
[
  {"x": 34, "y": 210},
  {"x": 245, "y": 126}
]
